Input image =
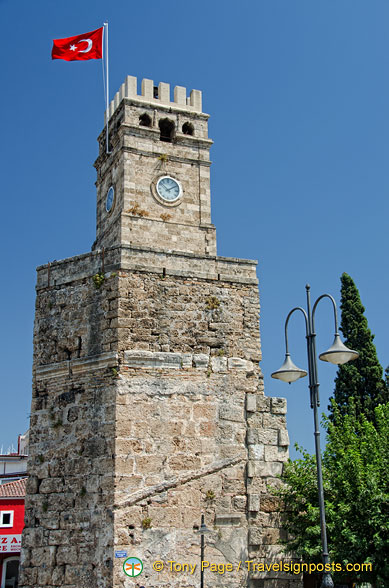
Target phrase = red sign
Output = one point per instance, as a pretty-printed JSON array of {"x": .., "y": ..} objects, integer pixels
[{"x": 10, "y": 543}]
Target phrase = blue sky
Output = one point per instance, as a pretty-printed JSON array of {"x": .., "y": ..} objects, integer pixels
[{"x": 298, "y": 95}]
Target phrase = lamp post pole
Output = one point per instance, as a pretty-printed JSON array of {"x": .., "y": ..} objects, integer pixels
[
  {"x": 315, "y": 403},
  {"x": 338, "y": 353},
  {"x": 203, "y": 530},
  {"x": 202, "y": 554}
]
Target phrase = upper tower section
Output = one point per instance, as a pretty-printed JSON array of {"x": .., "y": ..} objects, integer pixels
[{"x": 153, "y": 189}]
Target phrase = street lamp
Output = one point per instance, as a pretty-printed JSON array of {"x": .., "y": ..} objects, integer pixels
[
  {"x": 338, "y": 354},
  {"x": 203, "y": 530}
]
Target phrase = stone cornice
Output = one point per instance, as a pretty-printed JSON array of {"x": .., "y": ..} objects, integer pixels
[
  {"x": 163, "y": 360},
  {"x": 147, "y": 259},
  {"x": 77, "y": 366}
]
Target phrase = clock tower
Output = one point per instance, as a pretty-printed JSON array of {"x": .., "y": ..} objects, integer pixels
[
  {"x": 148, "y": 407},
  {"x": 154, "y": 189}
]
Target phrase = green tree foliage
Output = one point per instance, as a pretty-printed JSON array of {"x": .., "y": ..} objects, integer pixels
[
  {"x": 300, "y": 502},
  {"x": 356, "y": 490},
  {"x": 361, "y": 379}
]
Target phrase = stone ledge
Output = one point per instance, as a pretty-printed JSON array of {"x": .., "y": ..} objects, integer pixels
[
  {"x": 76, "y": 366},
  {"x": 201, "y": 162},
  {"x": 147, "y": 259},
  {"x": 157, "y": 359},
  {"x": 139, "y": 358}
]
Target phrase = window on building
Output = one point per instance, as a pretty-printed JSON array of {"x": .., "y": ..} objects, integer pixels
[
  {"x": 145, "y": 120},
  {"x": 166, "y": 127},
  {"x": 6, "y": 518},
  {"x": 187, "y": 128}
]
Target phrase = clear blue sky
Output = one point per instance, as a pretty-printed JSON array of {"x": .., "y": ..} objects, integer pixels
[{"x": 298, "y": 94}]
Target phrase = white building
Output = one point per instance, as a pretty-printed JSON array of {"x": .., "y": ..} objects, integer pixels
[{"x": 13, "y": 465}]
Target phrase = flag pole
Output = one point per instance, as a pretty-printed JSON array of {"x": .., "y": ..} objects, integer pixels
[{"x": 106, "y": 86}]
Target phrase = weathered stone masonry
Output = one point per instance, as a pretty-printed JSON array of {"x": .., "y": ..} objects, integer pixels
[{"x": 148, "y": 406}]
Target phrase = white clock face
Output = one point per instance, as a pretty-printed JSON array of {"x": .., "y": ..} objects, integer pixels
[{"x": 169, "y": 189}]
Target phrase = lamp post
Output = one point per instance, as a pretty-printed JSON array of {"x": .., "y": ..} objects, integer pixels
[
  {"x": 338, "y": 354},
  {"x": 203, "y": 530}
]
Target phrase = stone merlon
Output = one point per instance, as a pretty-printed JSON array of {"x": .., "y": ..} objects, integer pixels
[{"x": 158, "y": 95}]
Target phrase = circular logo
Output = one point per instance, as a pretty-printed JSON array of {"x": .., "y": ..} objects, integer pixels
[{"x": 132, "y": 566}]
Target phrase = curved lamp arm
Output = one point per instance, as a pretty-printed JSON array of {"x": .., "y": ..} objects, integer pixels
[
  {"x": 289, "y": 372},
  {"x": 334, "y": 307},
  {"x": 286, "y": 325},
  {"x": 338, "y": 353}
]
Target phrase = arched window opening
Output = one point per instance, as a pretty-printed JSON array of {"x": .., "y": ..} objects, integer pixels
[
  {"x": 145, "y": 120},
  {"x": 166, "y": 127},
  {"x": 187, "y": 128}
]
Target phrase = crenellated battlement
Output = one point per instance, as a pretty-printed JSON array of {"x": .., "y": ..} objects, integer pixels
[{"x": 158, "y": 95}]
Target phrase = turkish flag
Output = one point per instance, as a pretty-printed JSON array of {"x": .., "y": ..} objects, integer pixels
[{"x": 80, "y": 47}]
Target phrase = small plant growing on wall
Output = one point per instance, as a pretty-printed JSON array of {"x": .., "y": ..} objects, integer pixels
[
  {"x": 136, "y": 210},
  {"x": 146, "y": 523},
  {"x": 163, "y": 157},
  {"x": 165, "y": 216},
  {"x": 210, "y": 495},
  {"x": 212, "y": 303},
  {"x": 98, "y": 280}
]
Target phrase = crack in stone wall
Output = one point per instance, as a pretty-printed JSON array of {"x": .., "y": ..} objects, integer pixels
[{"x": 180, "y": 480}]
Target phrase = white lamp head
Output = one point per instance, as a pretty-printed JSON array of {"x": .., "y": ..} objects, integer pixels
[
  {"x": 338, "y": 353},
  {"x": 288, "y": 372}
]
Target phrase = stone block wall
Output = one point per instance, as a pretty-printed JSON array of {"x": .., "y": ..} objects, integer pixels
[
  {"x": 148, "y": 410},
  {"x": 68, "y": 538},
  {"x": 68, "y": 521}
]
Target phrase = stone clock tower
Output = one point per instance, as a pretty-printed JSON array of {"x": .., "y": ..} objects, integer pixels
[
  {"x": 159, "y": 172},
  {"x": 148, "y": 407}
]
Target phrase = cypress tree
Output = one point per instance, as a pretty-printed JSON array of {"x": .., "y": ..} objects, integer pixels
[{"x": 361, "y": 379}]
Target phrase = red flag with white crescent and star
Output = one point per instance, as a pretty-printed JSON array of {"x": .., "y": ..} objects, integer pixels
[{"x": 80, "y": 47}]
